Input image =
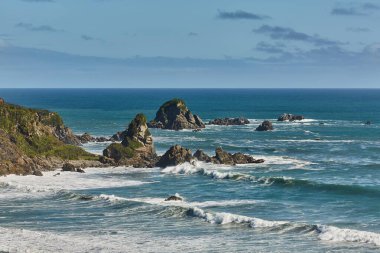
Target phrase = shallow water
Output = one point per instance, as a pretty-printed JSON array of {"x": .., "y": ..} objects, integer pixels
[{"x": 318, "y": 190}]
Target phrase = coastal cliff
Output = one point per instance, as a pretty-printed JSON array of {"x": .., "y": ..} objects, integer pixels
[{"x": 32, "y": 140}]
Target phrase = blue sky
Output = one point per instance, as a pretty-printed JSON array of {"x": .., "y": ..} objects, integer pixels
[{"x": 183, "y": 43}]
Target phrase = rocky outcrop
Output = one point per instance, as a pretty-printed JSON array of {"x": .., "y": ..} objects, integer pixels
[
  {"x": 265, "y": 126},
  {"x": 174, "y": 156},
  {"x": 175, "y": 115},
  {"x": 86, "y": 138},
  {"x": 229, "y": 121},
  {"x": 290, "y": 117},
  {"x": 33, "y": 140},
  {"x": 136, "y": 149},
  {"x": 177, "y": 155},
  {"x": 223, "y": 157}
]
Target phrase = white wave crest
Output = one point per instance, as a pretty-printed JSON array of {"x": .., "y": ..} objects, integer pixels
[{"x": 331, "y": 233}]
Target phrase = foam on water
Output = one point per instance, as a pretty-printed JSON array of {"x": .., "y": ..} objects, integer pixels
[
  {"x": 50, "y": 182},
  {"x": 324, "y": 232}
]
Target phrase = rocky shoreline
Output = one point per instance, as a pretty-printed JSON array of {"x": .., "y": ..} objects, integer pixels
[{"x": 34, "y": 140}]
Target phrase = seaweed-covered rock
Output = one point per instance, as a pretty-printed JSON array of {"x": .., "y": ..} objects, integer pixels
[
  {"x": 290, "y": 117},
  {"x": 229, "y": 121},
  {"x": 175, "y": 115},
  {"x": 136, "y": 149},
  {"x": 265, "y": 126},
  {"x": 174, "y": 156}
]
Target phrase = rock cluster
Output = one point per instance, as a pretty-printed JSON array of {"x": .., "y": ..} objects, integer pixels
[
  {"x": 265, "y": 126},
  {"x": 177, "y": 155},
  {"x": 229, "y": 121},
  {"x": 175, "y": 115},
  {"x": 86, "y": 137},
  {"x": 290, "y": 117},
  {"x": 136, "y": 149}
]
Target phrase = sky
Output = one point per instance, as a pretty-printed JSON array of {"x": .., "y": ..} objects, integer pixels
[{"x": 189, "y": 44}]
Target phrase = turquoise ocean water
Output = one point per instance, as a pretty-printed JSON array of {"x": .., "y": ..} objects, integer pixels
[{"x": 318, "y": 191}]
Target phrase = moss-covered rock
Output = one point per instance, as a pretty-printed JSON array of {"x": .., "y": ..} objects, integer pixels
[
  {"x": 175, "y": 115},
  {"x": 32, "y": 139},
  {"x": 136, "y": 149}
]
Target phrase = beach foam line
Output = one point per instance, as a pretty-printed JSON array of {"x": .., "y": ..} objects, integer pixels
[
  {"x": 324, "y": 232},
  {"x": 66, "y": 181}
]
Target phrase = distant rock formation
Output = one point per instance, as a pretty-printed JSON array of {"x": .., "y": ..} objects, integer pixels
[
  {"x": 33, "y": 140},
  {"x": 175, "y": 115},
  {"x": 174, "y": 156},
  {"x": 265, "y": 126},
  {"x": 86, "y": 138},
  {"x": 290, "y": 117},
  {"x": 136, "y": 149},
  {"x": 229, "y": 121},
  {"x": 223, "y": 157}
]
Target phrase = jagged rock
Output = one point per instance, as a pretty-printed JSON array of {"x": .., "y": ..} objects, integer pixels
[
  {"x": 265, "y": 126},
  {"x": 37, "y": 173},
  {"x": 86, "y": 138},
  {"x": 197, "y": 130},
  {"x": 174, "y": 156},
  {"x": 175, "y": 115},
  {"x": 69, "y": 167},
  {"x": 202, "y": 156},
  {"x": 229, "y": 121},
  {"x": 290, "y": 117},
  {"x": 223, "y": 157},
  {"x": 136, "y": 149},
  {"x": 173, "y": 198},
  {"x": 80, "y": 170}
]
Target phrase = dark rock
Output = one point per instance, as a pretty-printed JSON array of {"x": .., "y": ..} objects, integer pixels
[
  {"x": 136, "y": 149},
  {"x": 265, "y": 126},
  {"x": 229, "y": 121},
  {"x": 197, "y": 130},
  {"x": 68, "y": 167},
  {"x": 202, "y": 156},
  {"x": 101, "y": 139},
  {"x": 174, "y": 156},
  {"x": 37, "y": 173},
  {"x": 223, "y": 157},
  {"x": 368, "y": 123},
  {"x": 290, "y": 117},
  {"x": 80, "y": 170},
  {"x": 173, "y": 198},
  {"x": 57, "y": 174},
  {"x": 86, "y": 138},
  {"x": 175, "y": 115}
]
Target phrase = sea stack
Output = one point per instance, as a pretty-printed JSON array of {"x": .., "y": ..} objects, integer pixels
[
  {"x": 175, "y": 115},
  {"x": 136, "y": 149}
]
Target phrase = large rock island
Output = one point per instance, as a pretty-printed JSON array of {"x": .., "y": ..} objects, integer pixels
[
  {"x": 32, "y": 140},
  {"x": 175, "y": 115},
  {"x": 136, "y": 148}
]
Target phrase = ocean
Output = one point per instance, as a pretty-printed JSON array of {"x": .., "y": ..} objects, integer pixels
[{"x": 318, "y": 190}]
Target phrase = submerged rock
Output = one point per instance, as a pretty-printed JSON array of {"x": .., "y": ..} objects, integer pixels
[
  {"x": 174, "y": 198},
  {"x": 290, "y": 117},
  {"x": 175, "y": 115},
  {"x": 136, "y": 149},
  {"x": 229, "y": 121},
  {"x": 174, "y": 156},
  {"x": 368, "y": 123},
  {"x": 265, "y": 126}
]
